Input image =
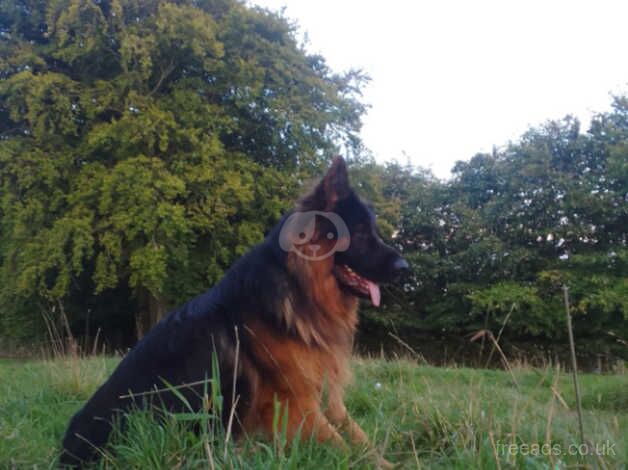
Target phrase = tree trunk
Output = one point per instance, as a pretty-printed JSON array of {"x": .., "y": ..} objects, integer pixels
[{"x": 151, "y": 309}]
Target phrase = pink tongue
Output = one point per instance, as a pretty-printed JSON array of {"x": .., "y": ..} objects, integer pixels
[{"x": 375, "y": 293}]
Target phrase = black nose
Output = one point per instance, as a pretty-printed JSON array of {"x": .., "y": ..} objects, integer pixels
[{"x": 401, "y": 265}]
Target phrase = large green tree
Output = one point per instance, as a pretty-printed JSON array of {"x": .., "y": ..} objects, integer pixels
[
  {"x": 145, "y": 144},
  {"x": 515, "y": 225}
]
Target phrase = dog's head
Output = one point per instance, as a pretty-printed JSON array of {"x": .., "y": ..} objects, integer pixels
[{"x": 332, "y": 223}]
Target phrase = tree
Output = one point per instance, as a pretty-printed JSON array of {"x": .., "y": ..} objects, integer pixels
[
  {"x": 144, "y": 145},
  {"x": 513, "y": 226}
]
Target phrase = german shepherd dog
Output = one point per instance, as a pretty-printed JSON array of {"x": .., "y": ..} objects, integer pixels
[{"x": 280, "y": 324}]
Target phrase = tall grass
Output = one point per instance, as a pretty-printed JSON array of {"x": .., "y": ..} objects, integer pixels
[{"x": 419, "y": 416}]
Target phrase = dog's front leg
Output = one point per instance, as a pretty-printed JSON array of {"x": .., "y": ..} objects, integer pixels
[
  {"x": 302, "y": 417},
  {"x": 337, "y": 414}
]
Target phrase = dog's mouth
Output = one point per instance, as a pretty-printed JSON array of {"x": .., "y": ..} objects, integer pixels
[{"x": 356, "y": 284}]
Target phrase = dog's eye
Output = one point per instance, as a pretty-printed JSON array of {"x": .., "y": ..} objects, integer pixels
[{"x": 330, "y": 235}]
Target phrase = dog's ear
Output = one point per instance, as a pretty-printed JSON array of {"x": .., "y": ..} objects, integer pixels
[{"x": 332, "y": 188}]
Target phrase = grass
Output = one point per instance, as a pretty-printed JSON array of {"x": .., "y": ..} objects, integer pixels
[{"x": 420, "y": 416}]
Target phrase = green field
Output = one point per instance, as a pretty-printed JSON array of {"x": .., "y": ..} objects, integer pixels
[{"x": 420, "y": 416}]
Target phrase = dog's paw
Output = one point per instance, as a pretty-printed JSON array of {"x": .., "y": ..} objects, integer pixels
[{"x": 384, "y": 464}]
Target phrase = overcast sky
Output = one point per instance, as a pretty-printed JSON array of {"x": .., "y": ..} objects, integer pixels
[{"x": 452, "y": 78}]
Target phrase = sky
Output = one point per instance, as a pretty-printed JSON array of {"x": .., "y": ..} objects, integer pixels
[{"x": 453, "y": 78}]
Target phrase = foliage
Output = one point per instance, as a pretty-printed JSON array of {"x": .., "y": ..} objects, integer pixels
[
  {"x": 145, "y": 145},
  {"x": 512, "y": 227}
]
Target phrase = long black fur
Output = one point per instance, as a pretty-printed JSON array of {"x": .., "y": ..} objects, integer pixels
[{"x": 178, "y": 350}]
